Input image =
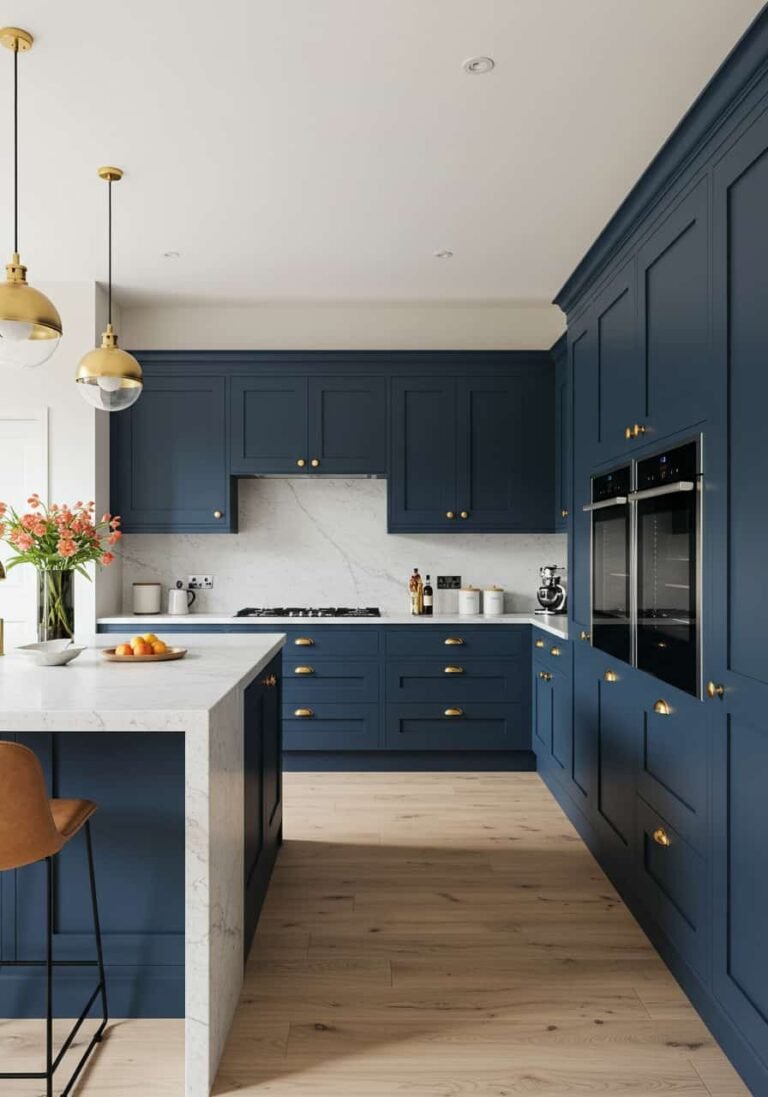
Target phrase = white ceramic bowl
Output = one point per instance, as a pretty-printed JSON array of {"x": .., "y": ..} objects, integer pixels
[{"x": 51, "y": 653}]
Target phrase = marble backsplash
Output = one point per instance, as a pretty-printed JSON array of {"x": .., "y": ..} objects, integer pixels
[{"x": 307, "y": 541}]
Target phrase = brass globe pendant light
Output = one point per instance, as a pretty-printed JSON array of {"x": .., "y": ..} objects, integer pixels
[
  {"x": 109, "y": 378},
  {"x": 30, "y": 326}
]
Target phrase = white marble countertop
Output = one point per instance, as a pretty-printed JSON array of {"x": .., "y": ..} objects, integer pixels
[
  {"x": 556, "y": 626},
  {"x": 91, "y": 692}
]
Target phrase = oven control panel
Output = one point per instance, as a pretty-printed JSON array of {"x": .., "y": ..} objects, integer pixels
[{"x": 668, "y": 468}]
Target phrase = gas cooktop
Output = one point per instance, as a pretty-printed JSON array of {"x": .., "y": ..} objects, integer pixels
[{"x": 310, "y": 611}]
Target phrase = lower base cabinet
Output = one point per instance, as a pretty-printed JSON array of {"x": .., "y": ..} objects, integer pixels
[{"x": 470, "y": 725}]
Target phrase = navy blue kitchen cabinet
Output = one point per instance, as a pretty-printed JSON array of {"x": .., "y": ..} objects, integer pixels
[
  {"x": 563, "y": 455},
  {"x": 472, "y": 455},
  {"x": 617, "y": 380},
  {"x": 263, "y": 784},
  {"x": 552, "y": 700},
  {"x": 169, "y": 458},
  {"x": 292, "y": 425}
]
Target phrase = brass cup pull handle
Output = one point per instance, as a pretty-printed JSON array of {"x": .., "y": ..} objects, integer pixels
[
  {"x": 661, "y": 838},
  {"x": 545, "y": 676},
  {"x": 303, "y": 642},
  {"x": 662, "y": 707},
  {"x": 585, "y": 635},
  {"x": 464, "y": 514},
  {"x": 628, "y": 433},
  {"x": 454, "y": 712},
  {"x": 315, "y": 463},
  {"x": 452, "y": 641},
  {"x": 303, "y": 670},
  {"x": 301, "y": 462},
  {"x": 303, "y": 713},
  {"x": 563, "y": 513},
  {"x": 610, "y": 676},
  {"x": 270, "y": 680},
  {"x": 555, "y": 651},
  {"x": 450, "y": 514},
  {"x": 635, "y": 431},
  {"x": 218, "y": 514},
  {"x": 453, "y": 670},
  {"x": 538, "y": 643},
  {"x": 714, "y": 689}
]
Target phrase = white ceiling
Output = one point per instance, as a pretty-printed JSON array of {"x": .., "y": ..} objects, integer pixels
[{"x": 324, "y": 149}]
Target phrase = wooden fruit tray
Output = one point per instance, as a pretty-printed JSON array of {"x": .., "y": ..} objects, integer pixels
[{"x": 172, "y": 653}]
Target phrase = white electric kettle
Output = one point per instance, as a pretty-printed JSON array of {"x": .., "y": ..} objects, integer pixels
[{"x": 179, "y": 600}]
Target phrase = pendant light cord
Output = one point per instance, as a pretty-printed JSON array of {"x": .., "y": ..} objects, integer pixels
[
  {"x": 16, "y": 148},
  {"x": 109, "y": 261}
]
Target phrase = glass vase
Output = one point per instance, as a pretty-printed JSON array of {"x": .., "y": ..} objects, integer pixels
[{"x": 55, "y": 605}]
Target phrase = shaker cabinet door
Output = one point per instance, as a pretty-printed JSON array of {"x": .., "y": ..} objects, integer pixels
[
  {"x": 348, "y": 425},
  {"x": 269, "y": 425},
  {"x": 422, "y": 484}
]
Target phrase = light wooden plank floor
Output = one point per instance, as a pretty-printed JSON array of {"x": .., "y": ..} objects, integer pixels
[{"x": 433, "y": 935}]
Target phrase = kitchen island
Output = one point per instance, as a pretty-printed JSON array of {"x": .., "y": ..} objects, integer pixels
[{"x": 189, "y": 748}]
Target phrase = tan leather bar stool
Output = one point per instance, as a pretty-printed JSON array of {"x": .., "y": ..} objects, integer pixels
[{"x": 34, "y": 828}]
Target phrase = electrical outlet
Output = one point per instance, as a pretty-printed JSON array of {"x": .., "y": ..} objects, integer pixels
[
  {"x": 200, "y": 582},
  {"x": 448, "y": 582}
]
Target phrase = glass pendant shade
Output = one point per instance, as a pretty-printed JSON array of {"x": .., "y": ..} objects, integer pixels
[
  {"x": 30, "y": 326},
  {"x": 109, "y": 378}
]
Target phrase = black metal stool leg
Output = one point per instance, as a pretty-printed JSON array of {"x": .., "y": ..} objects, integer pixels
[
  {"x": 97, "y": 927},
  {"x": 49, "y": 979}
]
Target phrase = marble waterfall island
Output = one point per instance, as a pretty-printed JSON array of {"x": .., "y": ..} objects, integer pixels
[{"x": 184, "y": 760}]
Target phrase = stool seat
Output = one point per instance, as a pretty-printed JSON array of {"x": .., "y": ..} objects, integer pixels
[{"x": 70, "y": 815}]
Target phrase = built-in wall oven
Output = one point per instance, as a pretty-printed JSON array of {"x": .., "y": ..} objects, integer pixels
[{"x": 646, "y": 567}]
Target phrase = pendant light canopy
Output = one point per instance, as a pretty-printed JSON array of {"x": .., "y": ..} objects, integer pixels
[
  {"x": 30, "y": 326},
  {"x": 109, "y": 378}
]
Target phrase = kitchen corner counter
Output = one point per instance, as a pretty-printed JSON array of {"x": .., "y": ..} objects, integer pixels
[
  {"x": 213, "y": 622},
  {"x": 201, "y": 697}
]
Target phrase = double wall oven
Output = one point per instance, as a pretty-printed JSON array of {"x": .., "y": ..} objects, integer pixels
[{"x": 646, "y": 566}]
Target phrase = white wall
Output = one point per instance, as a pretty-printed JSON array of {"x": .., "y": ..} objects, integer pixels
[
  {"x": 324, "y": 542},
  {"x": 426, "y": 326}
]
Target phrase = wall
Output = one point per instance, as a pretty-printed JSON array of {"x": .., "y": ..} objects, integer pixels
[
  {"x": 534, "y": 325},
  {"x": 324, "y": 541}
]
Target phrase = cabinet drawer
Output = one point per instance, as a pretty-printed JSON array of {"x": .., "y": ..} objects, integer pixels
[
  {"x": 673, "y": 768},
  {"x": 456, "y": 679},
  {"x": 479, "y": 726},
  {"x": 336, "y": 680},
  {"x": 331, "y": 726},
  {"x": 436, "y": 640},
  {"x": 550, "y": 650},
  {"x": 672, "y": 884},
  {"x": 310, "y": 641}
]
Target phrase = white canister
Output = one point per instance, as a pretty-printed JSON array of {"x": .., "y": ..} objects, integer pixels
[
  {"x": 493, "y": 602},
  {"x": 147, "y": 597},
  {"x": 469, "y": 601}
]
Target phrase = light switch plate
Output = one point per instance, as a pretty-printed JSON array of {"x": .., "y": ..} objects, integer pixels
[
  {"x": 448, "y": 582},
  {"x": 200, "y": 582}
]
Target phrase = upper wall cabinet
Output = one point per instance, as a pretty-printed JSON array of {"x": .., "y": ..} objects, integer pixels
[
  {"x": 288, "y": 425},
  {"x": 562, "y": 437},
  {"x": 472, "y": 455},
  {"x": 169, "y": 466}
]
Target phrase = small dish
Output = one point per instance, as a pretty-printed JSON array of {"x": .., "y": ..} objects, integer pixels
[{"x": 51, "y": 653}]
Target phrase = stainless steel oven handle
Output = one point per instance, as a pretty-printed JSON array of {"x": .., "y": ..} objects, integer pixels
[
  {"x": 619, "y": 501},
  {"x": 665, "y": 489}
]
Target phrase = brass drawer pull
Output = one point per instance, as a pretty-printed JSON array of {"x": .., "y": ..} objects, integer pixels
[
  {"x": 303, "y": 670},
  {"x": 450, "y": 514},
  {"x": 634, "y": 432},
  {"x": 715, "y": 690},
  {"x": 452, "y": 641},
  {"x": 454, "y": 712},
  {"x": 464, "y": 514},
  {"x": 555, "y": 651},
  {"x": 270, "y": 680},
  {"x": 661, "y": 838},
  {"x": 218, "y": 514},
  {"x": 563, "y": 513},
  {"x": 453, "y": 670},
  {"x": 545, "y": 676},
  {"x": 303, "y": 713},
  {"x": 585, "y": 635},
  {"x": 301, "y": 462},
  {"x": 539, "y": 643},
  {"x": 303, "y": 642},
  {"x": 610, "y": 676},
  {"x": 315, "y": 463},
  {"x": 662, "y": 707}
]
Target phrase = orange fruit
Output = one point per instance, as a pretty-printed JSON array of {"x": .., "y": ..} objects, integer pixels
[
  {"x": 137, "y": 640},
  {"x": 142, "y": 649},
  {"x": 123, "y": 649},
  {"x": 159, "y": 647},
  {"x": 149, "y": 638}
]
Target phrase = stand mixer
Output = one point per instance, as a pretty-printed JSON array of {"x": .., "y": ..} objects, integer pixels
[{"x": 551, "y": 593}]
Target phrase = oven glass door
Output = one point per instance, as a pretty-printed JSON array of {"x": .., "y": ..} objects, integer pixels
[
  {"x": 667, "y": 625},
  {"x": 611, "y": 625}
]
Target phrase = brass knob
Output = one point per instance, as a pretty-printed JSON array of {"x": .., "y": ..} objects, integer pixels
[
  {"x": 663, "y": 708},
  {"x": 452, "y": 641},
  {"x": 301, "y": 462},
  {"x": 270, "y": 680},
  {"x": 449, "y": 514},
  {"x": 314, "y": 463},
  {"x": 715, "y": 690},
  {"x": 464, "y": 514},
  {"x": 217, "y": 514},
  {"x": 563, "y": 513},
  {"x": 303, "y": 713},
  {"x": 555, "y": 651},
  {"x": 453, "y": 670},
  {"x": 303, "y": 642},
  {"x": 585, "y": 635},
  {"x": 545, "y": 676},
  {"x": 661, "y": 838},
  {"x": 634, "y": 432},
  {"x": 453, "y": 712},
  {"x": 538, "y": 643},
  {"x": 628, "y": 433},
  {"x": 610, "y": 676},
  {"x": 303, "y": 670}
]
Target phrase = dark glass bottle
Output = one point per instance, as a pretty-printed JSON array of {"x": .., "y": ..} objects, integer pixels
[{"x": 428, "y": 598}]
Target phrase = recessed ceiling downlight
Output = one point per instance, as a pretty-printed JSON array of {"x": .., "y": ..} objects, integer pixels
[
  {"x": 478, "y": 66},
  {"x": 444, "y": 253},
  {"x": 171, "y": 255}
]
